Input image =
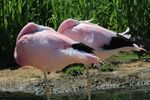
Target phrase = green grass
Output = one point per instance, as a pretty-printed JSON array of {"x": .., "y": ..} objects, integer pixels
[
  {"x": 74, "y": 70},
  {"x": 113, "y": 62},
  {"x": 123, "y": 57},
  {"x": 112, "y": 14}
]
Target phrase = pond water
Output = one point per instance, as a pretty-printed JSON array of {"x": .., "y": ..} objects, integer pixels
[{"x": 138, "y": 94}]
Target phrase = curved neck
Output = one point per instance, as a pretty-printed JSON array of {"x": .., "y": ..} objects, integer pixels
[
  {"x": 27, "y": 29},
  {"x": 69, "y": 23}
]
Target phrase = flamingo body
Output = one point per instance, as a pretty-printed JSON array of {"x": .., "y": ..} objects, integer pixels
[
  {"x": 48, "y": 50},
  {"x": 104, "y": 41}
]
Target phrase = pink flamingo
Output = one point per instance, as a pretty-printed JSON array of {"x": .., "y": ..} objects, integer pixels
[
  {"x": 48, "y": 50},
  {"x": 104, "y": 41}
]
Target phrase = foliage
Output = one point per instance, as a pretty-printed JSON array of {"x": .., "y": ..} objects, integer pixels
[
  {"x": 107, "y": 67},
  {"x": 112, "y": 14},
  {"x": 74, "y": 71},
  {"x": 123, "y": 57},
  {"x": 110, "y": 64}
]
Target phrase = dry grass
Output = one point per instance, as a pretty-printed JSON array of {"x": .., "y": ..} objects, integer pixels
[
  {"x": 23, "y": 75},
  {"x": 138, "y": 67},
  {"x": 27, "y": 74}
]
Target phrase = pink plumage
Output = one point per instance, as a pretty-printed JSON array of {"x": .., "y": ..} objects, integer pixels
[
  {"x": 47, "y": 49},
  {"x": 104, "y": 41}
]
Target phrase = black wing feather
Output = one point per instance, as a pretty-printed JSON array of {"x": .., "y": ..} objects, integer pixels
[
  {"x": 118, "y": 42},
  {"x": 83, "y": 47}
]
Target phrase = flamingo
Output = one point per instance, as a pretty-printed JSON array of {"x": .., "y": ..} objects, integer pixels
[
  {"x": 48, "y": 50},
  {"x": 104, "y": 41}
]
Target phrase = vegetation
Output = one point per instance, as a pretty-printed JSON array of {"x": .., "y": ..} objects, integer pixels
[
  {"x": 110, "y": 64},
  {"x": 75, "y": 70},
  {"x": 112, "y": 14},
  {"x": 113, "y": 62}
]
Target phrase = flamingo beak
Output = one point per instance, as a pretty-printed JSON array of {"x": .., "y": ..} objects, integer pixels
[
  {"x": 142, "y": 50},
  {"x": 139, "y": 49}
]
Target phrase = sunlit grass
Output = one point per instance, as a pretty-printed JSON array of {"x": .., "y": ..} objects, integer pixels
[
  {"x": 114, "y": 61},
  {"x": 114, "y": 14},
  {"x": 111, "y": 64}
]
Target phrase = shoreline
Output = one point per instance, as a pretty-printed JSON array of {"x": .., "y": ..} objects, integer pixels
[{"x": 127, "y": 76}]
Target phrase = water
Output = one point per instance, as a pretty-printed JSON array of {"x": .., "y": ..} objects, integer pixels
[{"x": 138, "y": 94}]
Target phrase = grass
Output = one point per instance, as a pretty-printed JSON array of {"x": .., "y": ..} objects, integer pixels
[
  {"x": 114, "y": 14},
  {"x": 110, "y": 64},
  {"x": 123, "y": 57},
  {"x": 113, "y": 62},
  {"x": 74, "y": 69}
]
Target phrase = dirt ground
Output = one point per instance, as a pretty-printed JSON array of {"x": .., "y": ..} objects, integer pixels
[
  {"x": 28, "y": 79},
  {"x": 139, "y": 67},
  {"x": 28, "y": 74}
]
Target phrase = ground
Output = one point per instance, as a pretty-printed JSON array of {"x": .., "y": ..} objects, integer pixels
[{"x": 29, "y": 79}]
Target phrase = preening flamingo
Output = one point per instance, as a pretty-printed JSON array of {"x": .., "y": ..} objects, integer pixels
[
  {"x": 104, "y": 41},
  {"x": 48, "y": 50}
]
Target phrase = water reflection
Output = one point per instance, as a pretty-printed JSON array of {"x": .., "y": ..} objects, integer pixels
[{"x": 140, "y": 94}]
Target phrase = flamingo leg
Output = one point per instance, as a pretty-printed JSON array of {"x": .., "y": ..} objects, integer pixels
[
  {"x": 47, "y": 92},
  {"x": 88, "y": 83}
]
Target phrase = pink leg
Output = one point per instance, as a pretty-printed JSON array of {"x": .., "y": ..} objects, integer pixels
[
  {"x": 88, "y": 83},
  {"x": 47, "y": 92}
]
